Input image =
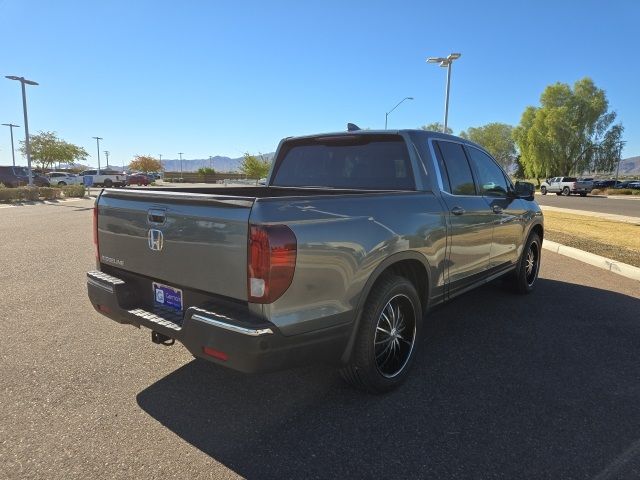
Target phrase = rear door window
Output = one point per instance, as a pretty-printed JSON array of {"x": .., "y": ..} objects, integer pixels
[
  {"x": 368, "y": 162},
  {"x": 456, "y": 166}
]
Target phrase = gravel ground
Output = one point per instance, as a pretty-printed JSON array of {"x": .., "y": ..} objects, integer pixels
[{"x": 625, "y": 255}]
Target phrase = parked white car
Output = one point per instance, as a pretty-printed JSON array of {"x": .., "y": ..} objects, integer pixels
[
  {"x": 61, "y": 179},
  {"x": 107, "y": 178}
]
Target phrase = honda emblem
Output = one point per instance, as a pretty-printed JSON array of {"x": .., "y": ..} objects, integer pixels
[{"x": 156, "y": 239}]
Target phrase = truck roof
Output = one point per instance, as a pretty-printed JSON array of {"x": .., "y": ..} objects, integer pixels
[{"x": 419, "y": 131}]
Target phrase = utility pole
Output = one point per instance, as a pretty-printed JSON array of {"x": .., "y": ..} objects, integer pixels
[
  {"x": 180, "y": 153},
  {"x": 27, "y": 147},
  {"x": 13, "y": 151},
  {"x": 98, "y": 144},
  {"x": 106, "y": 154}
]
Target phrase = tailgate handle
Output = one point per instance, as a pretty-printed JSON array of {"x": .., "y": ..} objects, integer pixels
[{"x": 156, "y": 216}]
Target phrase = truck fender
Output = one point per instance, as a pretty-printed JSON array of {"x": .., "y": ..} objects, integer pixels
[{"x": 375, "y": 275}]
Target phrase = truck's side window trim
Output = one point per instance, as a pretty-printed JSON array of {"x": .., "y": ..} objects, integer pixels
[{"x": 436, "y": 167}]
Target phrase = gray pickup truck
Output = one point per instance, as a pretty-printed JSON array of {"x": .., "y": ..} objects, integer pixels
[{"x": 338, "y": 258}]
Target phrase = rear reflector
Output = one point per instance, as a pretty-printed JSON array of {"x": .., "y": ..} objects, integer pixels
[
  {"x": 212, "y": 352},
  {"x": 271, "y": 262}
]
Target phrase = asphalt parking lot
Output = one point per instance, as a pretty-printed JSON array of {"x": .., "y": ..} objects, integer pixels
[
  {"x": 542, "y": 386},
  {"x": 617, "y": 206}
]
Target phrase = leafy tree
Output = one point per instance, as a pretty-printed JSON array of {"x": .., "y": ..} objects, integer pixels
[
  {"x": 255, "y": 166},
  {"x": 519, "y": 173},
  {"x": 572, "y": 130},
  {"x": 47, "y": 149},
  {"x": 436, "y": 127},
  {"x": 146, "y": 164},
  {"x": 497, "y": 138},
  {"x": 206, "y": 171}
]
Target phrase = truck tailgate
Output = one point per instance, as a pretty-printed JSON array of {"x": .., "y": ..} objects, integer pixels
[{"x": 188, "y": 240}]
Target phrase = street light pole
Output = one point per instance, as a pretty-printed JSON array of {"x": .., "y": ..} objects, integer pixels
[
  {"x": 106, "y": 154},
  {"x": 23, "y": 81},
  {"x": 98, "y": 144},
  {"x": 446, "y": 62},
  {"x": 386, "y": 115},
  {"x": 180, "y": 153},
  {"x": 13, "y": 151}
]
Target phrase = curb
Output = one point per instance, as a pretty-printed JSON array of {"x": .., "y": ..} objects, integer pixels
[{"x": 605, "y": 263}]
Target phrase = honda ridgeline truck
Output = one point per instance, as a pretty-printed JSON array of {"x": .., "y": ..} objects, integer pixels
[{"x": 354, "y": 237}]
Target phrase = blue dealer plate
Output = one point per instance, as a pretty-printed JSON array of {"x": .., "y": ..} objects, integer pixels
[{"x": 166, "y": 296}]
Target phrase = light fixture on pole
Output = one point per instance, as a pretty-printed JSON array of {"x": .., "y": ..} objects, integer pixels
[
  {"x": 446, "y": 63},
  {"x": 13, "y": 151},
  {"x": 386, "y": 115},
  {"x": 98, "y": 144},
  {"x": 23, "y": 81}
]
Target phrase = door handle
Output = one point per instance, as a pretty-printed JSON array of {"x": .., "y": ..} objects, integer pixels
[
  {"x": 496, "y": 209},
  {"x": 457, "y": 210}
]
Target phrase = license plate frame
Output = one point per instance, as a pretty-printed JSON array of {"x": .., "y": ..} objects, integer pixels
[{"x": 167, "y": 296}]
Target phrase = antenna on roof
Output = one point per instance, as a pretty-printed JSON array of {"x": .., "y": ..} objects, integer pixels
[{"x": 352, "y": 127}]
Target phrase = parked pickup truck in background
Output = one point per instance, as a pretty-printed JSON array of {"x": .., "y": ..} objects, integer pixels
[
  {"x": 354, "y": 238},
  {"x": 566, "y": 186},
  {"x": 105, "y": 178}
]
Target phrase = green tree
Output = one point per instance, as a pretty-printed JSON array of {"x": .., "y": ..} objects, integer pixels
[
  {"x": 572, "y": 130},
  {"x": 146, "y": 164},
  {"x": 206, "y": 171},
  {"x": 436, "y": 127},
  {"x": 47, "y": 149},
  {"x": 497, "y": 138},
  {"x": 255, "y": 166}
]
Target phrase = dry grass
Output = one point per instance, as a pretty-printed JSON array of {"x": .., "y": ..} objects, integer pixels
[{"x": 617, "y": 240}]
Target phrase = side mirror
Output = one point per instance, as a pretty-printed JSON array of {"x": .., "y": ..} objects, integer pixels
[{"x": 525, "y": 190}]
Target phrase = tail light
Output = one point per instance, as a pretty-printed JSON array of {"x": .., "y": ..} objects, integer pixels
[
  {"x": 95, "y": 233},
  {"x": 271, "y": 262}
]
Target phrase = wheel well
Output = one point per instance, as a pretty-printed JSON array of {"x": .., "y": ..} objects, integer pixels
[
  {"x": 415, "y": 272},
  {"x": 539, "y": 230}
]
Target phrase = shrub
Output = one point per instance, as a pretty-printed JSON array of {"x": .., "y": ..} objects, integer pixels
[
  {"x": 74, "y": 191},
  {"x": 49, "y": 193},
  {"x": 28, "y": 193},
  {"x": 620, "y": 191},
  {"x": 636, "y": 192},
  {"x": 8, "y": 195},
  {"x": 597, "y": 191}
]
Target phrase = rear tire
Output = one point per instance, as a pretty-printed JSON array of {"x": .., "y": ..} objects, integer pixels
[
  {"x": 108, "y": 183},
  {"x": 529, "y": 265},
  {"x": 566, "y": 192},
  {"x": 62, "y": 184},
  {"x": 543, "y": 190},
  {"x": 387, "y": 336}
]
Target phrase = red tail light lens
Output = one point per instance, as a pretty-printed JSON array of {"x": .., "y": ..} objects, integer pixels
[
  {"x": 95, "y": 232},
  {"x": 271, "y": 262}
]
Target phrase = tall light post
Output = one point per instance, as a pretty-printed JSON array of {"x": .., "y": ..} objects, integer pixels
[
  {"x": 180, "y": 153},
  {"x": 23, "y": 81},
  {"x": 106, "y": 154},
  {"x": 386, "y": 115},
  {"x": 210, "y": 162},
  {"x": 13, "y": 151},
  {"x": 446, "y": 63},
  {"x": 98, "y": 145}
]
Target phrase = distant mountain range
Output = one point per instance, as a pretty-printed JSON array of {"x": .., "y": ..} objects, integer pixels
[
  {"x": 630, "y": 166},
  {"x": 218, "y": 163}
]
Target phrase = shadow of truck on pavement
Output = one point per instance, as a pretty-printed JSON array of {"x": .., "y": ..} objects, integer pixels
[{"x": 542, "y": 386}]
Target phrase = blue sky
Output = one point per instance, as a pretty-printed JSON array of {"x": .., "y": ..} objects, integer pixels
[{"x": 222, "y": 78}]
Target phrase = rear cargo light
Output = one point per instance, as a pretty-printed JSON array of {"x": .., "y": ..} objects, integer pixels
[
  {"x": 95, "y": 232},
  {"x": 212, "y": 352},
  {"x": 271, "y": 262}
]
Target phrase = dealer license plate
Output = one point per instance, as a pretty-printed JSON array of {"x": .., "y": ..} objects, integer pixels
[{"x": 166, "y": 296}]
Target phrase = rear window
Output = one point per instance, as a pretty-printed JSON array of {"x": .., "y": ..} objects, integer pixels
[
  {"x": 570, "y": 179},
  {"x": 350, "y": 162}
]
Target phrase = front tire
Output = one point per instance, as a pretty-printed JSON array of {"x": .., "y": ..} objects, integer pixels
[
  {"x": 543, "y": 190},
  {"x": 529, "y": 266},
  {"x": 108, "y": 183},
  {"x": 62, "y": 184},
  {"x": 387, "y": 336}
]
